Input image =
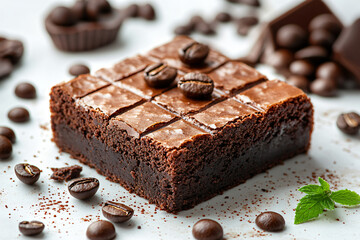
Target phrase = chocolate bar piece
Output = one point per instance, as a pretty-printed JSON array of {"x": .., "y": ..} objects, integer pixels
[{"x": 172, "y": 150}]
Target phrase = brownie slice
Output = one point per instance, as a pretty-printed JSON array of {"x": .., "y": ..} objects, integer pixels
[{"x": 174, "y": 151}]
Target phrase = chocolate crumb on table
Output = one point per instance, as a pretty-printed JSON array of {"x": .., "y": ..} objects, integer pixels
[{"x": 66, "y": 173}]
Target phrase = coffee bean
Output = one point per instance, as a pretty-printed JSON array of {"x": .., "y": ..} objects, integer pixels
[
  {"x": 196, "y": 85},
  {"x": 159, "y": 75},
  {"x": 349, "y": 123},
  {"x": 83, "y": 188},
  {"x": 5, "y": 147},
  {"x": 78, "y": 69},
  {"x": 291, "y": 36},
  {"x": 31, "y": 228},
  {"x": 327, "y": 22},
  {"x": 19, "y": 115},
  {"x": 280, "y": 59},
  {"x": 270, "y": 222},
  {"x": 223, "y": 17},
  {"x": 299, "y": 81},
  {"x": 132, "y": 11},
  {"x": 11, "y": 50},
  {"x": 207, "y": 229},
  {"x": 79, "y": 10},
  {"x": 101, "y": 230},
  {"x": 321, "y": 37},
  {"x": 6, "y": 68},
  {"x": 8, "y": 133},
  {"x": 147, "y": 12},
  {"x": 63, "y": 16},
  {"x": 184, "y": 30},
  {"x": 314, "y": 54},
  {"x": 25, "y": 90},
  {"x": 302, "y": 68},
  {"x": 193, "y": 53},
  {"x": 324, "y": 87},
  {"x": 329, "y": 70},
  {"x": 27, "y": 173},
  {"x": 117, "y": 212}
]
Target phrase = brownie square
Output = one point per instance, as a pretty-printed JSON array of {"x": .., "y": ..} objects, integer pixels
[{"x": 174, "y": 151}]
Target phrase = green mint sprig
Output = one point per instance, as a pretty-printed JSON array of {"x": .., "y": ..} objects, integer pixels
[{"x": 319, "y": 198}]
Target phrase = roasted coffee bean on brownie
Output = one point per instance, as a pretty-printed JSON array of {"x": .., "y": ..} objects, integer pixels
[{"x": 190, "y": 149}]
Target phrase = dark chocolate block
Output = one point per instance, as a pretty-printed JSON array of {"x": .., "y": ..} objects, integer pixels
[{"x": 175, "y": 151}]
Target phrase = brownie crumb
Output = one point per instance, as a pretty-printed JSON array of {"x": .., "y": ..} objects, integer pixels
[{"x": 66, "y": 173}]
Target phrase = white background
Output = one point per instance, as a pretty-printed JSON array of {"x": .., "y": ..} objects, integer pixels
[{"x": 333, "y": 155}]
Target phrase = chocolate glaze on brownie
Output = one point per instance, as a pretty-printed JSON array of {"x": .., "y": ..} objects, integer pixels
[{"x": 174, "y": 151}]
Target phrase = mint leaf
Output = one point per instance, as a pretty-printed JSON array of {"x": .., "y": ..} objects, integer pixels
[
  {"x": 324, "y": 185},
  {"x": 311, "y": 189},
  {"x": 327, "y": 203},
  {"x": 346, "y": 197},
  {"x": 309, "y": 207}
]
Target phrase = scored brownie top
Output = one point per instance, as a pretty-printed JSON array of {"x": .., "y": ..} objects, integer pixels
[{"x": 122, "y": 96}]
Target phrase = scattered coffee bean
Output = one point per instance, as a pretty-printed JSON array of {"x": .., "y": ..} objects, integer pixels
[
  {"x": 117, "y": 212},
  {"x": 196, "y": 85},
  {"x": 321, "y": 37},
  {"x": 5, "y": 147},
  {"x": 6, "y": 68},
  {"x": 329, "y": 70},
  {"x": 280, "y": 59},
  {"x": 184, "y": 30},
  {"x": 78, "y": 69},
  {"x": 132, "y": 11},
  {"x": 31, "y": 228},
  {"x": 25, "y": 90},
  {"x": 193, "y": 53},
  {"x": 159, "y": 75},
  {"x": 327, "y": 22},
  {"x": 8, "y": 133},
  {"x": 11, "y": 50},
  {"x": 349, "y": 123},
  {"x": 223, "y": 17},
  {"x": 207, "y": 229},
  {"x": 83, "y": 188},
  {"x": 101, "y": 230},
  {"x": 314, "y": 54},
  {"x": 324, "y": 87},
  {"x": 147, "y": 12},
  {"x": 299, "y": 81},
  {"x": 66, "y": 173},
  {"x": 291, "y": 36},
  {"x": 19, "y": 115},
  {"x": 302, "y": 68},
  {"x": 63, "y": 16},
  {"x": 27, "y": 173},
  {"x": 270, "y": 222}
]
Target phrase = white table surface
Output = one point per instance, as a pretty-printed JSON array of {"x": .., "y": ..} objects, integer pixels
[{"x": 334, "y": 156}]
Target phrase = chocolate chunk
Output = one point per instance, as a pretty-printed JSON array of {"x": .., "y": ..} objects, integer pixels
[
  {"x": 299, "y": 81},
  {"x": 254, "y": 3},
  {"x": 5, "y": 147},
  {"x": 280, "y": 59},
  {"x": 291, "y": 36},
  {"x": 93, "y": 10},
  {"x": 12, "y": 50},
  {"x": 314, "y": 54},
  {"x": 79, "y": 10},
  {"x": 117, "y": 212},
  {"x": 159, "y": 75},
  {"x": 196, "y": 85},
  {"x": 83, "y": 188},
  {"x": 25, "y": 90},
  {"x": 349, "y": 123},
  {"x": 31, "y": 228},
  {"x": 6, "y": 68},
  {"x": 270, "y": 222},
  {"x": 27, "y": 173},
  {"x": 223, "y": 17},
  {"x": 63, "y": 16},
  {"x": 207, "y": 229},
  {"x": 194, "y": 20},
  {"x": 8, "y": 133},
  {"x": 205, "y": 28},
  {"x": 248, "y": 21},
  {"x": 78, "y": 69},
  {"x": 324, "y": 87},
  {"x": 104, "y": 6},
  {"x": 326, "y": 22},
  {"x": 329, "y": 70},
  {"x": 193, "y": 53},
  {"x": 147, "y": 12},
  {"x": 132, "y": 10},
  {"x": 184, "y": 30},
  {"x": 322, "y": 37},
  {"x": 302, "y": 68},
  {"x": 66, "y": 173},
  {"x": 242, "y": 29},
  {"x": 101, "y": 230},
  {"x": 19, "y": 115}
]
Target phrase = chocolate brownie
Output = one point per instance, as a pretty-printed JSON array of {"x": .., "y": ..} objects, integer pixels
[{"x": 172, "y": 150}]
